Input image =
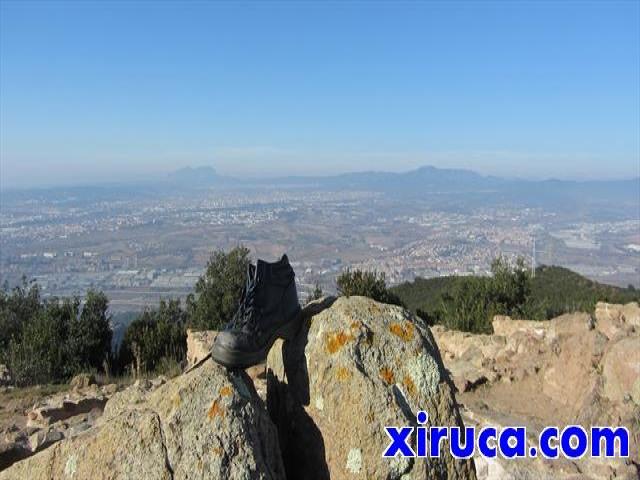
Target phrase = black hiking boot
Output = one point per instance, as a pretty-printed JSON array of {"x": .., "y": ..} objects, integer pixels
[{"x": 268, "y": 309}]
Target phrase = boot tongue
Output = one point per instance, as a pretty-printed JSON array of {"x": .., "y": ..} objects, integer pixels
[{"x": 262, "y": 269}]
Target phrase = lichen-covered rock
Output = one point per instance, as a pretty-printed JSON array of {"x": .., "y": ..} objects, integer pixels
[
  {"x": 355, "y": 367},
  {"x": 130, "y": 446},
  {"x": 207, "y": 423}
]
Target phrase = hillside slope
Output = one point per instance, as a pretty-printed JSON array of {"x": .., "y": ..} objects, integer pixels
[{"x": 554, "y": 291}]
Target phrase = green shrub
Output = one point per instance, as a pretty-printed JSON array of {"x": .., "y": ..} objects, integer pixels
[
  {"x": 367, "y": 284},
  {"x": 16, "y": 308},
  {"x": 218, "y": 291},
  {"x": 39, "y": 353},
  {"x": 316, "y": 294},
  {"x": 89, "y": 340},
  {"x": 155, "y": 338}
]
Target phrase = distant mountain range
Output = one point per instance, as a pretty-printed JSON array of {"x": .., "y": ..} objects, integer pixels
[
  {"x": 444, "y": 188},
  {"x": 424, "y": 179},
  {"x": 454, "y": 187}
]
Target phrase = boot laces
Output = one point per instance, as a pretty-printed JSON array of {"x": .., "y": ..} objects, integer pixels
[{"x": 245, "y": 313}]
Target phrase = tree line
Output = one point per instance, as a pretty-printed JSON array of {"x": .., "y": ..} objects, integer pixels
[
  {"x": 46, "y": 340},
  {"x": 469, "y": 303},
  {"x": 50, "y": 340}
]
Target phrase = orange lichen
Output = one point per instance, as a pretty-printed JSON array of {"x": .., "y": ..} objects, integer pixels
[
  {"x": 215, "y": 410},
  {"x": 402, "y": 330},
  {"x": 387, "y": 375},
  {"x": 337, "y": 340},
  {"x": 226, "y": 391},
  {"x": 343, "y": 373},
  {"x": 217, "y": 451},
  {"x": 409, "y": 385}
]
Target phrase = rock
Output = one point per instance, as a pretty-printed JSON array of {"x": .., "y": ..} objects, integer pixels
[
  {"x": 129, "y": 397},
  {"x": 5, "y": 376},
  {"x": 199, "y": 345},
  {"x": 207, "y": 423},
  {"x": 63, "y": 409},
  {"x": 83, "y": 380},
  {"x": 160, "y": 380},
  {"x": 507, "y": 327},
  {"x": 258, "y": 374},
  {"x": 571, "y": 375},
  {"x": 568, "y": 370},
  {"x": 110, "y": 389},
  {"x": 621, "y": 370},
  {"x": 612, "y": 320},
  {"x": 43, "y": 438},
  {"x": 470, "y": 359},
  {"x": 355, "y": 367}
]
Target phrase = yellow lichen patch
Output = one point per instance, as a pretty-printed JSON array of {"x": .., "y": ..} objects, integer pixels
[
  {"x": 343, "y": 374},
  {"x": 402, "y": 330},
  {"x": 217, "y": 451},
  {"x": 226, "y": 391},
  {"x": 356, "y": 324},
  {"x": 215, "y": 410},
  {"x": 176, "y": 400},
  {"x": 337, "y": 340},
  {"x": 409, "y": 385},
  {"x": 387, "y": 375}
]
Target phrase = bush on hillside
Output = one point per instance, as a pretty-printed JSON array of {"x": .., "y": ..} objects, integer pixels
[
  {"x": 512, "y": 291},
  {"x": 367, "y": 284},
  {"x": 52, "y": 340},
  {"x": 16, "y": 308},
  {"x": 316, "y": 294},
  {"x": 218, "y": 291},
  {"x": 157, "y": 337},
  {"x": 469, "y": 303}
]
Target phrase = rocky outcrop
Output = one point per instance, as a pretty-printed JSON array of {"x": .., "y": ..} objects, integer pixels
[
  {"x": 572, "y": 369},
  {"x": 621, "y": 371},
  {"x": 199, "y": 345},
  {"x": 82, "y": 380},
  {"x": 63, "y": 409},
  {"x": 51, "y": 419},
  {"x": 355, "y": 367},
  {"x": 613, "y": 319},
  {"x": 207, "y": 423}
]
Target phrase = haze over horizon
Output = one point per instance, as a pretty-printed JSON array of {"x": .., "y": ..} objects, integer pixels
[{"x": 99, "y": 92}]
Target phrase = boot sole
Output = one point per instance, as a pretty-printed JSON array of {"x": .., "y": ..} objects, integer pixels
[{"x": 238, "y": 359}]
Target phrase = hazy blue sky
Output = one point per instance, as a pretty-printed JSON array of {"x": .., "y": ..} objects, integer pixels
[{"x": 110, "y": 90}]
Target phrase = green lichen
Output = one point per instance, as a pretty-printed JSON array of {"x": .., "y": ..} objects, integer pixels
[
  {"x": 423, "y": 371},
  {"x": 354, "y": 460},
  {"x": 70, "y": 466}
]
